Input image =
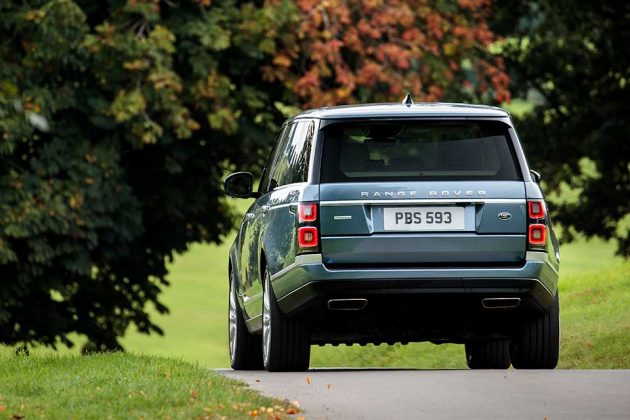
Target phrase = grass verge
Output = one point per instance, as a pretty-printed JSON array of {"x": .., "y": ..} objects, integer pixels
[{"x": 123, "y": 385}]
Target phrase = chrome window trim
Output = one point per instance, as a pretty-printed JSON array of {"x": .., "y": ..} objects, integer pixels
[{"x": 279, "y": 206}]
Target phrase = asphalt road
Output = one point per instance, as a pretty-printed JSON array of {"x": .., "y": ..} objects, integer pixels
[{"x": 463, "y": 394}]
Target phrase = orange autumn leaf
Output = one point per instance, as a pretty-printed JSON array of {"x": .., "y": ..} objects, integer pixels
[
  {"x": 282, "y": 60},
  {"x": 351, "y": 51}
]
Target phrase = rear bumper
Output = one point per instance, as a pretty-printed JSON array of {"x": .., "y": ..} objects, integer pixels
[
  {"x": 414, "y": 304},
  {"x": 308, "y": 277}
]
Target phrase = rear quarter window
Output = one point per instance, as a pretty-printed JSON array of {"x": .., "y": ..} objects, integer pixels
[
  {"x": 293, "y": 154},
  {"x": 417, "y": 150}
]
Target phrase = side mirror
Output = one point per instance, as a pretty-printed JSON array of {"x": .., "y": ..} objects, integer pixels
[
  {"x": 536, "y": 177},
  {"x": 239, "y": 185}
]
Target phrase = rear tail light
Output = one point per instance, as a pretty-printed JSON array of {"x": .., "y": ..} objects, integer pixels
[
  {"x": 537, "y": 234},
  {"x": 537, "y": 228},
  {"x": 307, "y": 228},
  {"x": 307, "y": 212},
  {"x": 308, "y": 237},
  {"x": 536, "y": 209}
]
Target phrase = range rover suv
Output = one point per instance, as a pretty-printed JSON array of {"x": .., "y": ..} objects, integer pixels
[{"x": 394, "y": 223}]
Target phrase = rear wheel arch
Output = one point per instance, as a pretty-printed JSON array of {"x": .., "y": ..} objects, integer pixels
[
  {"x": 536, "y": 344},
  {"x": 232, "y": 276},
  {"x": 285, "y": 340},
  {"x": 262, "y": 264},
  {"x": 245, "y": 348},
  {"x": 232, "y": 272}
]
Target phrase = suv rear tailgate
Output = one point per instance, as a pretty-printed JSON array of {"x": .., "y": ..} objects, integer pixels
[{"x": 491, "y": 228}]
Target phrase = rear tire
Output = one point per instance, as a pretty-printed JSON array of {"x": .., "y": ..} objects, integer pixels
[
  {"x": 536, "y": 344},
  {"x": 286, "y": 342},
  {"x": 245, "y": 348},
  {"x": 488, "y": 354}
]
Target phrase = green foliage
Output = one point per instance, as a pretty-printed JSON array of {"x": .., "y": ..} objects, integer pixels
[
  {"x": 119, "y": 118},
  {"x": 123, "y": 386},
  {"x": 572, "y": 57},
  {"x": 117, "y": 123}
]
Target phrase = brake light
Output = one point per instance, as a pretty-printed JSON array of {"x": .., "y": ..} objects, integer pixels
[
  {"x": 307, "y": 212},
  {"x": 537, "y": 229},
  {"x": 537, "y": 234},
  {"x": 307, "y": 237},
  {"x": 536, "y": 209},
  {"x": 307, "y": 228}
]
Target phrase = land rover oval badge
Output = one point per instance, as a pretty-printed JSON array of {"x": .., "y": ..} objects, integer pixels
[{"x": 504, "y": 215}]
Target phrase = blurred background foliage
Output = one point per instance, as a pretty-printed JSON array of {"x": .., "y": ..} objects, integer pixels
[
  {"x": 119, "y": 118},
  {"x": 571, "y": 60}
]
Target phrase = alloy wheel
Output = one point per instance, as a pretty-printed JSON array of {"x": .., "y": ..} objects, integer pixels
[
  {"x": 266, "y": 319},
  {"x": 232, "y": 322}
]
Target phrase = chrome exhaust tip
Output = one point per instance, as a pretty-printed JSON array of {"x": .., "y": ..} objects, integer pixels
[
  {"x": 347, "y": 304},
  {"x": 500, "y": 303}
]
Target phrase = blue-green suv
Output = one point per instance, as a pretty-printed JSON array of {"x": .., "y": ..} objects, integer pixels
[{"x": 392, "y": 223}]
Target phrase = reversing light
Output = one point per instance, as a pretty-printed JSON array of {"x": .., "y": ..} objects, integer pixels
[
  {"x": 536, "y": 209},
  {"x": 307, "y": 237},
  {"x": 307, "y": 212},
  {"x": 537, "y": 234}
]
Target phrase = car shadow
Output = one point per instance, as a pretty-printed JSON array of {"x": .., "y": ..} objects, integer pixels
[{"x": 378, "y": 369}]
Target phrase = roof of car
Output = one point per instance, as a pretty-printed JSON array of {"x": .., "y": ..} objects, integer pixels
[{"x": 398, "y": 110}]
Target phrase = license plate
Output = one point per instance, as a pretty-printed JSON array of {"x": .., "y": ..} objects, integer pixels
[{"x": 423, "y": 218}]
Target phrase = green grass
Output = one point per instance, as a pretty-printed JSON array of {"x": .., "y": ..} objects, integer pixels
[
  {"x": 121, "y": 385},
  {"x": 196, "y": 328},
  {"x": 596, "y": 318}
]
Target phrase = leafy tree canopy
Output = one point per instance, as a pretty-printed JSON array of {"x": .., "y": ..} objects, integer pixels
[
  {"x": 373, "y": 51},
  {"x": 574, "y": 57},
  {"x": 118, "y": 120}
]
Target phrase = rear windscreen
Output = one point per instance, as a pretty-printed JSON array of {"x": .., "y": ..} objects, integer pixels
[{"x": 417, "y": 151}]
